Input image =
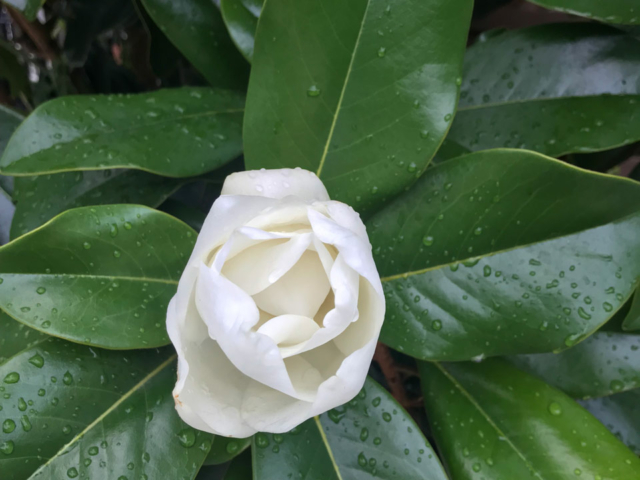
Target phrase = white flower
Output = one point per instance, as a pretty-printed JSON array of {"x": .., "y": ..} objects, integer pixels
[{"x": 279, "y": 309}]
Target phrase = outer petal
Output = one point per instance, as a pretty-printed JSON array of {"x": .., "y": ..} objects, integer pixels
[
  {"x": 277, "y": 184},
  {"x": 206, "y": 399}
]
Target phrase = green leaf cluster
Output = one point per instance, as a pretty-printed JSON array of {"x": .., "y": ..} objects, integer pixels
[{"x": 495, "y": 173}]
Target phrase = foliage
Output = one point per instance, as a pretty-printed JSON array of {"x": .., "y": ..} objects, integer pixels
[{"x": 489, "y": 166}]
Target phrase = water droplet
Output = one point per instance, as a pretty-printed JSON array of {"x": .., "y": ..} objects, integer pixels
[
  {"x": 86, "y": 245},
  {"x": 187, "y": 437},
  {"x": 7, "y": 447},
  {"x": 232, "y": 447},
  {"x": 72, "y": 472},
  {"x": 41, "y": 290},
  {"x": 583, "y": 314},
  {"x": 127, "y": 226},
  {"x": 313, "y": 91},
  {"x": 436, "y": 325},
  {"x": 67, "y": 378},
  {"x": 37, "y": 360},
  {"x": 555, "y": 409},
  {"x": 93, "y": 451},
  {"x": 386, "y": 416},
  {"x": 616, "y": 385},
  {"x": 427, "y": 240},
  {"x": 382, "y": 52},
  {"x": 25, "y": 422},
  {"x": 116, "y": 253},
  {"x": 364, "y": 434},
  {"x": 262, "y": 441},
  {"x": 13, "y": 377},
  {"x": 22, "y": 405},
  {"x": 8, "y": 426},
  {"x": 113, "y": 231}
]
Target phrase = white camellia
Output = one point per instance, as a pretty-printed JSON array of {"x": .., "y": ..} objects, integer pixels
[{"x": 279, "y": 309}]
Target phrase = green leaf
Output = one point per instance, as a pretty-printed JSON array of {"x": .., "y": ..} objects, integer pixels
[
  {"x": 240, "y": 468},
  {"x": 100, "y": 276},
  {"x": 177, "y": 133},
  {"x": 42, "y": 197},
  {"x": 15, "y": 337},
  {"x": 91, "y": 413},
  {"x": 241, "y": 18},
  {"x": 225, "y": 449},
  {"x": 626, "y": 12},
  {"x": 361, "y": 92},
  {"x": 370, "y": 436},
  {"x": 9, "y": 121},
  {"x": 620, "y": 414},
  {"x": 490, "y": 420},
  {"x": 196, "y": 28},
  {"x": 494, "y": 253},
  {"x": 28, "y": 7},
  {"x": 555, "y": 89},
  {"x": 604, "y": 364},
  {"x": 632, "y": 320}
]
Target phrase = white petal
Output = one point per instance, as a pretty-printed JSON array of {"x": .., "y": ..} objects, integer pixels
[
  {"x": 206, "y": 399},
  {"x": 356, "y": 250},
  {"x": 276, "y": 184},
  {"x": 263, "y": 264},
  {"x": 289, "y": 331},
  {"x": 229, "y": 314},
  {"x": 301, "y": 291},
  {"x": 227, "y": 214}
]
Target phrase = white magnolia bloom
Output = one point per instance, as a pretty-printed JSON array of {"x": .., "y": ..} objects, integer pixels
[{"x": 279, "y": 309}]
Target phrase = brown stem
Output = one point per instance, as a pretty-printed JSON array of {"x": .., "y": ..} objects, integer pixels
[
  {"x": 36, "y": 32},
  {"x": 383, "y": 357}
]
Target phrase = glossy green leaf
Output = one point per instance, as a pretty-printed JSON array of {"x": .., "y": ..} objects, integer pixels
[
  {"x": 494, "y": 253},
  {"x": 621, "y": 415},
  {"x": 178, "y": 133},
  {"x": 490, "y": 420},
  {"x": 9, "y": 121},
  {"x": 371, "y": 436},
  {"x": 29, "y": 8},
  {"x": 555, "y": 89},
  {"x": 241, "y": 18},
  {"x": 240, "y": 468},
  {"x": 225, "y": 449},
  {"x": 74, "y": 411},
  {"x": 626, "y": 12},
  {"x": 42, "y": 197},
  {"x": 604, "y": 364},
  {"x": 15, "y": 337},
  {"x": 632, "y": 320},
  {"x": 196, "y": 28},
  {"x": 361, "y": 92},
  {"x": 100, "y": 276}
]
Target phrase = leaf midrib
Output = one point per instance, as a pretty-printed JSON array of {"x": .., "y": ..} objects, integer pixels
[
  {"x": 344, "y": 88},
  {"x": 108, "y": 411},
  {"x": 108, "y": 277},
  {"x": 327, "y": 446},
  {"x": 107, "y": 132},
  {"x": 543, "y": 99},
  {"x": 411, "y": 273},
  {"x": 489, "y": 420}
]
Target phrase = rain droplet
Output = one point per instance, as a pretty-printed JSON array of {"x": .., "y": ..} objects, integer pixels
[
  {"x": 37, "y": 360},
  {"x": 187, "y": 437},
  {"x": 13, "y": 377},
  {"x": 555, "y": 409},
  {"x": 313, "y": 91}
]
